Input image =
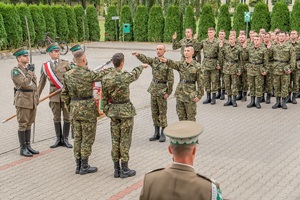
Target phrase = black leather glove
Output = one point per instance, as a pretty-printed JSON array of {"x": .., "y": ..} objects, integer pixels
[{"x": 30, "y": 67}]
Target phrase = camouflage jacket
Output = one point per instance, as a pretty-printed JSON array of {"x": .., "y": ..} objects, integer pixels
[
  {"x": 186, "y": 92},
  {"x": 160, "y": 72},
  {"x": 116, "y": 93},
  {"x": 296, "y": 45},
  {"x": 185, "y": 42},
  {"x": 284, "y": 58},
  {"x": 231, "y": 59},
  {"x": 210, "y": 51},
  {"x": 258, "y": 59},
  {"x": 78, "y": 84}
]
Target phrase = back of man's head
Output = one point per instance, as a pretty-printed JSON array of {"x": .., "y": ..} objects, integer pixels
[
  {"x": 182, "y": 151},
  {"x": 117, "y": 59},
  {"x": 78, "y": 57}
]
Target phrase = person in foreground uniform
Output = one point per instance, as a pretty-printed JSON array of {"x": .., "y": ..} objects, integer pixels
[
  {"x": 53, "y": 70},
  {"x": 118, "y": 107},
  {"x": 26, "y": 99},
  {"x": 77, "y": 95},
  {"x": 180, "y": 181}
]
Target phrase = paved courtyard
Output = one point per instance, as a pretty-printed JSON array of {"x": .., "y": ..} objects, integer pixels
[{"x": 253, "y": 154}]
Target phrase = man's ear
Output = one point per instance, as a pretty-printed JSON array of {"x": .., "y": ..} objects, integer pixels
[
  {"x": 194, "y": 150},
  {"x": 170, "y": 150}
]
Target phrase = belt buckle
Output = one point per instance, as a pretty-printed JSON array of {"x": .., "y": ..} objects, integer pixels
[{"x": 183, "y": 80}]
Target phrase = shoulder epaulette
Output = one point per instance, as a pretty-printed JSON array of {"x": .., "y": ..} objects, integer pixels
[
  {"x": 210, "y": 180},
  {"x": 155, "y": 170}
]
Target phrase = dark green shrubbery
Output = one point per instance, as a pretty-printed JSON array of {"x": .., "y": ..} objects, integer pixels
[
  {"x": 73, "y": 32},
  {"x": 173, "y": 23},
  {"x": 126, "y": 18},
  {"x": 3, "y": 35},
  {"x": 111, "y": 25},
  {"x": 238, "y": 17},
  {"x": 280, "y": 17},
  {"x": 23, "y": 11},
  {"x": 93, "y": 23},
  {"x": 224, "y": 20},
  {"x": 189, "y": 20},
  {"x": 207, "y": 20},
  {"x": 38, "y": 21},
  {"x": 140, "y": 24},
  {"x": 61, "y": 21},
  {"x": 261, "y": 17},
  {"x": 79, "y": 13},
  {"x": 156, "y": 24},
  {"x": 295, "y": 16}
]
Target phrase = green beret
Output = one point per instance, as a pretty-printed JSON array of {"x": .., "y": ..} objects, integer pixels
[
  {"x": 184, "y": 132},
  {"x": 52, "y": 47},
  {"x": 20, "y": 52},
  {"x": 76, "y": 47}
]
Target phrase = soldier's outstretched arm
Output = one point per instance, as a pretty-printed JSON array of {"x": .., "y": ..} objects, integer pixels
[
  {"x": 145, "y": 59},
  {"x": 97, "y": 76},
  {"x": 134, "y": 74},
  {"x": 170, "y": 63}
]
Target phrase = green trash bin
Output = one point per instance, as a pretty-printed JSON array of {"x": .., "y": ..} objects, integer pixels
[{"x": 126, "y": 28}]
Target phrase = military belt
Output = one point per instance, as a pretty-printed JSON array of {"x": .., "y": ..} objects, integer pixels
[
  {"x": 231, "y": 61},
  {"x": 187, "y": 81},
  {"x": 81, "y": 98},
  {"x": 120, "y": 102},
  {"x": 281, "y": 61},
  {"x": 159, "y": 81},
  {"x": 208, "y": 57},
  {"x": 257, "y": 63},
  {"x": 22, "y": 90}
]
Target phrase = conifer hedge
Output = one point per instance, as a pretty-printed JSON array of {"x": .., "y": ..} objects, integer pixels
[
  {"x": 238, "y": 17},
  {"x": 261, "y": 17},
  {"x": 38, "y": 21},
  {"x": 189, "y": 20},
  {"x": 295, "y": 16},
  {"x": 79, "y": 13},
  {"x": 207, "y": 20},
  {"x": 23, "y": 11},
  {"x": 280, "y": 17},
  {"x": 224, "y": 20},
  {"x": 111, "y": 25},
  {"x": 73, "y": 32},
  {"x": 49, "y": 22},
  {"x": 126, "y": 18},
  {"x": 156, "y": 24},
  {"x": 140, "y": 24},
  {"x": 173, "y": 23},
  {"x": 93, "y": 23},
  {"x": 61, "y": 21},
  {"x": 3, "y": 35}
]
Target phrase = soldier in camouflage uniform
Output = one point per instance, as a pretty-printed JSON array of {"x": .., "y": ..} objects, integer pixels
[
  {"x": 229, "y": 57},
  {"x": 118, "y": 107},
  {"x": 256, "y": 70},
  {"x": 187, "y": 93},
  {"x": 160, "y": 89},
  {"x": 221, "y": 90},
  {"x": 242, "y": 80},
  {"x": 284, "y": 62},
  {"x": 210, "y": 65},
  {"x": 187, "y": 41},
  {"x": 77, "y": 95},
  {"x": 268, "y": 79}
]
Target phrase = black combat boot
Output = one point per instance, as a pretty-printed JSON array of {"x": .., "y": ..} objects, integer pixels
[
  {"x": 208, "y": 99},
  {"x": 66, "y": 131},
  {"x": 23, "y": 150},
  {"x": 162, "y": 135},
  {"x": 218, "y": 94},
  {"x": 298, "y": 94},
  {"x": 294, "y": 98},
  {"x": 252, "y": 102},
  {"x": 284, "y": 101},
  {"x": 27, "y": 139},
  {"x": 57, "y": 126},
  {"x": 239, "y": 96},
  {"x": 156, "y": 134},
  {"x": 244, "y": 96},
  {"x": 228, "y": 103},
  {"x": 86, "y": 168},
  {"x": 222, "y": 97},
  {"x": 277, "y": 104},
  {"x": 78, "y": 165},
  {"x": 257, "y": 103},
  {"x": 268, "y": 99},
  {"x": 213, "y": 99},
  {"x": 125, "y": 171},
  {"x": 262, "y": 99},
  {"x": 289, "y": 99},
  {"x": 233, "y": 101},
  {"x": 117, "y": 169}
]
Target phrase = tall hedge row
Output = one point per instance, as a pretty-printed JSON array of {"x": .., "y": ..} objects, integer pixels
[
  {"x": 73, "y": 30},
  {"x": 50, "y": 22},
  {"x": 140, "y": 24},
  {"x": 93, "y": 23},
  {"x": 111, "y": 26},
  {"x": 280, "y": 17},
  {"x": 61, "y": 21},
  {"x": 38, "y": 21},
  {"x": 238, "y": 17},
  {"x": 23, "y": 11},
  {"x": 80, "y": 17},
  {"x": 156, "y": 24},
  {"x": 261, "y": 17},
  {"x": 224, "y": 20},
  {"x": 207, "y": 20},
  {"x": 173, "y": 23},
  {"x": 3, "y": 35},
  {"x": 295, "y": 16},
  {"x": 126, "y": 18},
  {"x": 189, "y": 20}
]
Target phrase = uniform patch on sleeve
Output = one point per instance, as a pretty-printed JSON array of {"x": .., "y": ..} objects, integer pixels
[{"x": 15, "y": 72}]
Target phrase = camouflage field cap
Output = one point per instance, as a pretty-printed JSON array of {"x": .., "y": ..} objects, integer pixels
[
  {"x": 184, "y": 132},
  {"x": 76, "y": 47},
  {"x": 52, "y": 47},
  {"x": 20, "y": 52}
]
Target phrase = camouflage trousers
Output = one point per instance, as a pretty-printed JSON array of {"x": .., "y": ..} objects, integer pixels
[
  {"x": 256, "y": 85},
  {"x": 211, "y": 80},
  {"x": 186, "y": 110},
  {"x": 242, "y": 82},
  {"x": 268, "y": 83},
  {"x": 121, "y": 136},
  {"x": 159, "y": 111},
  {"x": 281, "y": 85},
  {"x": 57, "y": 108},
  {"x": 221, "y": 81},
  {"x": 25, "y": 117},
  {"x": 85, "y": 132},
  {"x": 230, "y": 81},
  {"x": 294, "y": 82}
]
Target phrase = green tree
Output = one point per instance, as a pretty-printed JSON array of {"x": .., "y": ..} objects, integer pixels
[
  {"x": 111, "y": 26},
  {"x": 73, "y": 30},
  {"x": 126, "y": 18},
  {"x": 3, "y": 35},
  {"x": 207, "y": 20},
  {"x": 295, "y": 16},
  {"x": 140, "y": 24},
  {"x": 23, "y": 11},
  {"x": 224, "y": 20},
  {"x": 238, "y": 17},
  {"x": 280, "y": 17},
  {"x": 38, "y": 21},
  {"x": 156, "y": 24},
  {"x": 80, "y": 17},
  {"x": 173, "y": 23},
  {"x": 189, "y": 20},
  {"x": 261, "y": 17},
  {"x": 61, "y": 21},
  {"x": 93, "y": 23},
  {"x": 12, "y": 25},
  {"x": 50, "y": 22}
]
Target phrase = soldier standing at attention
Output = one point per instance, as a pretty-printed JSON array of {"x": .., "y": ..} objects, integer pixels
[
  {"x": 25, "y": 100},
  {"x": 118, "y": 107},
  {"x": 54, "y": 70},
  {"x": 294, "y": 83},
  {"x": 77, "y": 95},
  {"x": 230, "y": 56},
  {"x": 268, "y": 79},
  {"x": 256, "y": 70},
  {"x": 284, "y": 62},
  {"x": 160, "y": 89},
  {"x": 221, "y": 90},
  {"x": 187, "y": 41},
  {"x": 187, "y": 93},
  {"x": 210, "y": 65},
  {"x": 180, "y": 181},
  {"x": 242, "y": 80}
]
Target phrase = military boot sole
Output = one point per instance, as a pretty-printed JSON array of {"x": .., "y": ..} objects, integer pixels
[{"x": 57, "y": 144}]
